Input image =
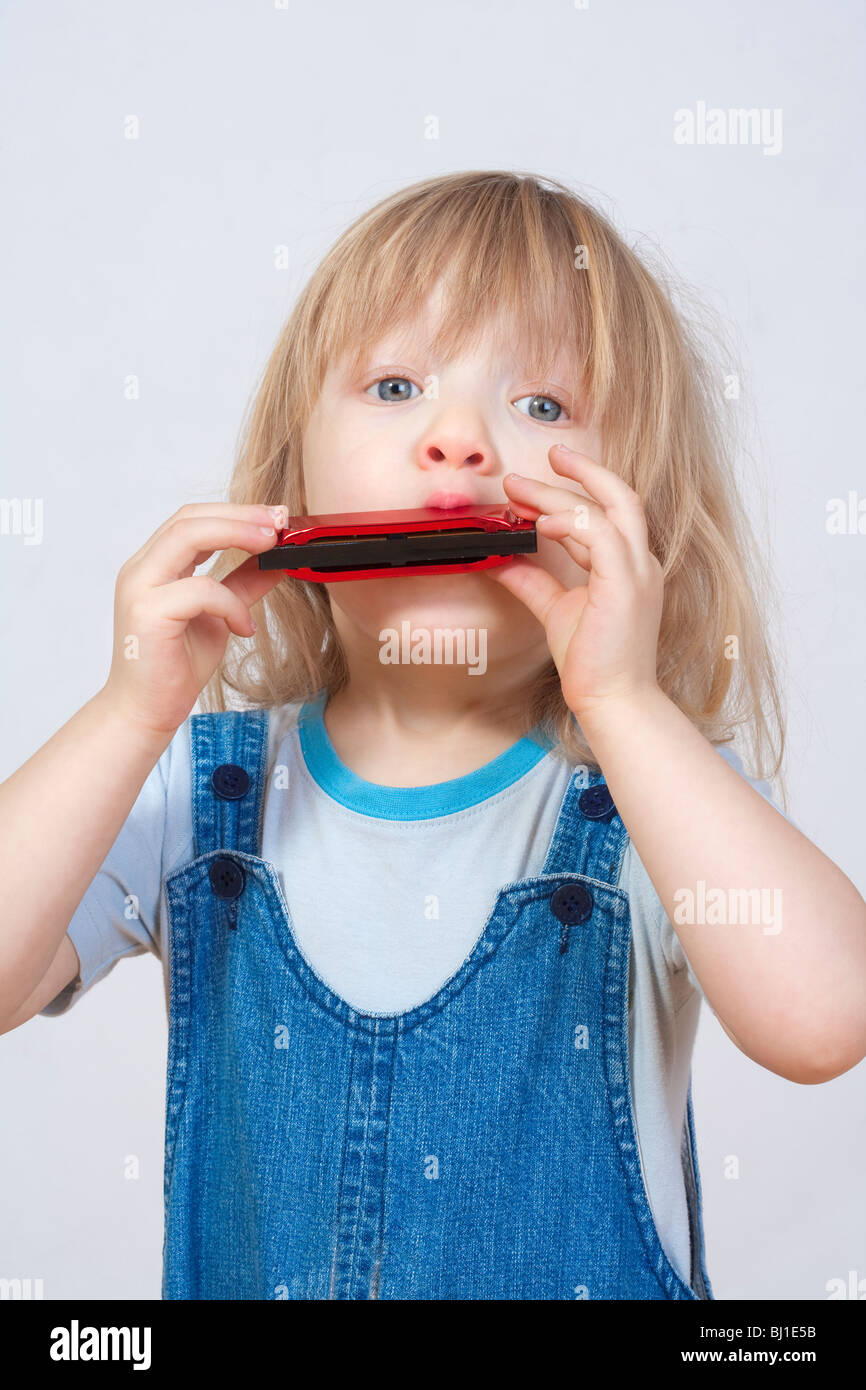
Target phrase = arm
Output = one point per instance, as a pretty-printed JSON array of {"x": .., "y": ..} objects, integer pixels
[
  {"x": 60, "y": 813},
  {"x": 64, "y": 968},
  {"x": 791, "y": 992},
  {"x": 789, "y": 988}
]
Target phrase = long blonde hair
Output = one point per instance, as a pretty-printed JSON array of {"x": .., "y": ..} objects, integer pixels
[{"x": 519, "y": 249}]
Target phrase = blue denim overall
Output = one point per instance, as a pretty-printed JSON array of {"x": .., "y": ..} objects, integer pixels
[{"x": 479, "y": 1146}]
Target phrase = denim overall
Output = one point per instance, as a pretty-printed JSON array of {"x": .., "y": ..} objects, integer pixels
[{"x": 479, "y": 1146}]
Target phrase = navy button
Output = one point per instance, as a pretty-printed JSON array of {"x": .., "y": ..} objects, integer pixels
[
  {"x": 571, "y": 903},
  {"x": 227, "y": 878},
  {"x": 596, "y": 802},
  {"x": 230, "y": 781}
]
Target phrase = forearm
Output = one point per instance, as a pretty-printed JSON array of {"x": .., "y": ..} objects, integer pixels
[
  {"x": 60, "y": 813},
  {"x": 790, "y": 980}
]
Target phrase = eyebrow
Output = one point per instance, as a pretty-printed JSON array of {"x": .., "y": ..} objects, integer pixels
[
  {"x": 509, "y": 360},
  {"x": 409, "y": 338}
]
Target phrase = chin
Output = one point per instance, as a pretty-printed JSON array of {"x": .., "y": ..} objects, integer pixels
[{"x": 468, "y": 599}]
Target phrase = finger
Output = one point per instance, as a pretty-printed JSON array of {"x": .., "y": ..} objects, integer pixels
[
  {"x": 189, "y": 541},
  {"x": 536, "y": 587},
  {"x": 621, "y": 502},
  {"x": 230, "y": 511},
  {"x": 251, "y": 583},
  {"x": 576, "y": 549},
  {"x": 581, "y": 507},
  {"x": 186, "y": 599},
  {"x": 532, "y": 494},
  {"x": 608, "y": 550}
]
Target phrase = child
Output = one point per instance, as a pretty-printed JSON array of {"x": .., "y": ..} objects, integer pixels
[{"x": 435, "y": 940}]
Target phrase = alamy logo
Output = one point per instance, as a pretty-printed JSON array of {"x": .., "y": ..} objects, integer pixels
[
  {"x": 729, "y": 907},
  {"x": 101, "y": 1344},
  {"x": 22, "y": 516},
  {"x": 21, "y": 1288},
  {"x": 443, "y": 645},
  {"x": 717, "y": 125}
]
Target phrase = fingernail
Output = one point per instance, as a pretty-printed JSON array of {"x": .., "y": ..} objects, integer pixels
[
  {"x": 542, "y": 516},
  {"x": 566, "y": 449},
  {"x": 280, "y": 514}
]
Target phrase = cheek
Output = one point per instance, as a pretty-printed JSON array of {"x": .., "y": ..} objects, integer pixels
[
  {"x": 347, "y": 468},
  {"x": 333, "y": 472}
]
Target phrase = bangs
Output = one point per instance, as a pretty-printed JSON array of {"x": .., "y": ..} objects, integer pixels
[{"x": 502, "y": 261}]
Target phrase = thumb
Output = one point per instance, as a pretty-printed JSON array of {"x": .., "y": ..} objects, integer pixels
[
  {"x": 251, "y": 583},
  {"x": 529, "y": 582}
]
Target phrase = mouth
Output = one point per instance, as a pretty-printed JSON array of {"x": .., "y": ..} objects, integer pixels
[{"x": 447, "y": 500}]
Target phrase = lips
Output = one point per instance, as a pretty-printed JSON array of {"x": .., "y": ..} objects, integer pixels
[{"x": 446, "y": 500}]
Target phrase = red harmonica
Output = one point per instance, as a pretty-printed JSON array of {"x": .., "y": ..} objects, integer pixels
[{"x": 422, "y": 540}]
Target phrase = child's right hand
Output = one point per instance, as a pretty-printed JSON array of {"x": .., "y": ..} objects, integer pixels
[{"x": 171, "y": 626}]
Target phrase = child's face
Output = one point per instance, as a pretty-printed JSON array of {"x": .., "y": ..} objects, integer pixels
[{"x": 381, "y": 439}]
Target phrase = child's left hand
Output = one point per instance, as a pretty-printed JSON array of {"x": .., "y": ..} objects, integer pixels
[{"x": 602, "y": 634}]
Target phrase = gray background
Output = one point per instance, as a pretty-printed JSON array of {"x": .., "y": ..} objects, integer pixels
[{"x": 263, "y": 127}]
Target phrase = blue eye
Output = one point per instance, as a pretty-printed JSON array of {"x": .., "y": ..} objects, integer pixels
[
  {"x": 546, "y": 417},
  {"x": 398, "y": 383}
]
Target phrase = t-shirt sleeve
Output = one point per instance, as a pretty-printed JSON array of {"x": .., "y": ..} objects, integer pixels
[
  {"x": 671, "y": 945},
  {"x": 119, "y": 914}
]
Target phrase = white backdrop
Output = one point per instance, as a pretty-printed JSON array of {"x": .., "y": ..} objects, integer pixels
[{"x": 264, "y": 126}]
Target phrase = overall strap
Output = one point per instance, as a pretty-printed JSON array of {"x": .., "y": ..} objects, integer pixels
[
  {"x": 589, "y": 838},
  {"x": 228, "y": 753}
]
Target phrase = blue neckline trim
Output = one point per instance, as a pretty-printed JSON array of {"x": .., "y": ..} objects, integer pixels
[{"x": 410, "y": 803}]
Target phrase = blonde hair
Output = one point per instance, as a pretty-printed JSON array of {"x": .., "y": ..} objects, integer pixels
[{"x": 520, "y": 252}]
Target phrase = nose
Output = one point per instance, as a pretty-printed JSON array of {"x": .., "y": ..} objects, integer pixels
[{"x": 456, "y": 452}]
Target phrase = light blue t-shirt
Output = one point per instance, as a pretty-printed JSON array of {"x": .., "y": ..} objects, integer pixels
[{"x": 389, "y": 888}]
